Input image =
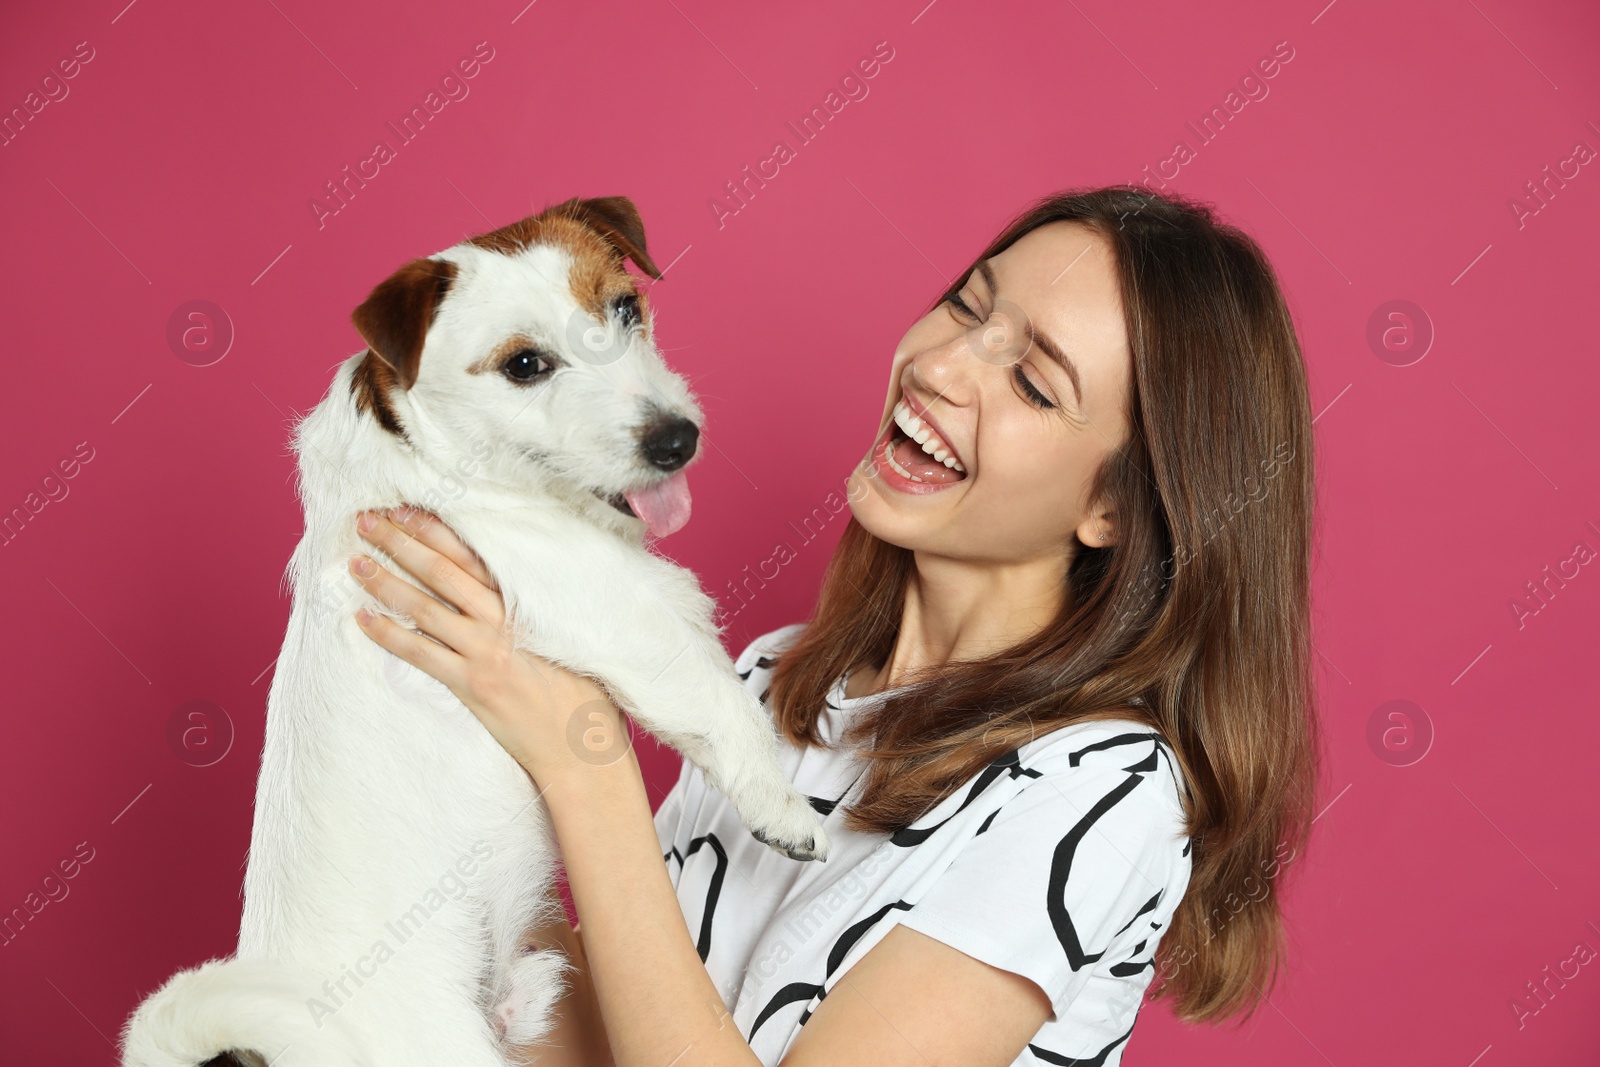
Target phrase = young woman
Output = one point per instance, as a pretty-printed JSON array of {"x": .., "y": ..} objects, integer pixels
[{"x": 1055, "y": 700}]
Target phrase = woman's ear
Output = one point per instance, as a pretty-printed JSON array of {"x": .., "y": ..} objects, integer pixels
[{"x": 1098, "y": 530}]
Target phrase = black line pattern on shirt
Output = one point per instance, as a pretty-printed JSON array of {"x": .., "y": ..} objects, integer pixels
[
  {"x": 713, "y": 888},
  {"x": 789, "y": 994},
  {"x": 1130, "y": 967},
  {"x": 1097, "y": 1060},
  {"x": 806, "y": 990},
  {"x": 1066, "y": 849},
  {"x": 764, "y": 663},
  {"x": 1114, "y": 742},
  {"x": 1161, "y": 744},
  {"x": 1149, "y": 906},
  {"x": 1061, "y": 871},
  {"x": 1006, "y": 763},
  {"x": 823, "y": 806}
]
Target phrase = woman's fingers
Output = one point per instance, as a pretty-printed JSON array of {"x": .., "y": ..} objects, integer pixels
[
  {"x": 441, "y": 574},
  {"x": 428, "y": 656},
  {"x": 432, "y": 617},
  {"x": 432, "y": 531}
]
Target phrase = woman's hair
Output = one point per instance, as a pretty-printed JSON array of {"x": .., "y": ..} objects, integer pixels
[{"x": 1195, "y": 621}]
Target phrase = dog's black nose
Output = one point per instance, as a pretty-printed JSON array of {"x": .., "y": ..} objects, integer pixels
[{"x": 671, "y": 444}]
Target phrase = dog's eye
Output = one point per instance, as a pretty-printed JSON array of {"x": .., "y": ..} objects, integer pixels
[
  {"x": 627, "y": 309},
  {"x": 526, "y": 365}
]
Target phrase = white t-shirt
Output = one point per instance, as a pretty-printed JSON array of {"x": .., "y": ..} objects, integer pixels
[{"x": 1063, "y": 861}]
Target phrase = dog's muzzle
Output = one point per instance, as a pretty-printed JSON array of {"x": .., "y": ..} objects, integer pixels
[{"x": 666, "y": 445}]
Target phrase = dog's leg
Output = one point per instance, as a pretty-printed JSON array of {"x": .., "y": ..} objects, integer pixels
[
  {"x": 642, "y": 626},
  {"x": 730, "y": 736}
]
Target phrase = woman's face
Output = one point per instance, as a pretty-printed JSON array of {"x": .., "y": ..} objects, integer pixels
[{"x": 1021, "y": 393}]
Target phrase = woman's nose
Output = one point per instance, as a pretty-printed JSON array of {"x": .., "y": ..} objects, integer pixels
[
  {"x": 943, "y": 370},
  {"x": 962, "y": 361}
]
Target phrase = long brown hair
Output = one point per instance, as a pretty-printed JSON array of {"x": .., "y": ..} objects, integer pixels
[{"x": 1195, "y": 621}]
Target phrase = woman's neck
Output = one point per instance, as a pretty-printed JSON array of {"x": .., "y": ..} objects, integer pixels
[{"x": 957, "y": 610}]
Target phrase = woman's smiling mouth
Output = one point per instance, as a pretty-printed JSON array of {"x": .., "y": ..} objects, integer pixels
[
  {"x": 912, "y": 457},
  {"x": 926, "y": 436}
]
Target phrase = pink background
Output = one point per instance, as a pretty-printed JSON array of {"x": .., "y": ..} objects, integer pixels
[{"x": 1380, "y": 166}]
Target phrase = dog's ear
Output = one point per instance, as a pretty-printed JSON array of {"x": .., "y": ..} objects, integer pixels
[
  {"x": 617, "y": 220},
  {"x": 394, "y": 320}
]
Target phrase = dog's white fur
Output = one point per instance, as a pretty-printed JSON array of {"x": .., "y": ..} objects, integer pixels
[{"x": 399, "y": 854}]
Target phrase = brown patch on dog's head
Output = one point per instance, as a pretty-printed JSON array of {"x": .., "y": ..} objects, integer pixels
[
  {"x": 598, "y": 233},
  {"x": 394, "y": 321}
]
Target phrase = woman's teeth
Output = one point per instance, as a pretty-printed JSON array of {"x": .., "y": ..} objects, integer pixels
[
  {"x": 888, "y": 457},
  {"x": 924, "y": 435}
]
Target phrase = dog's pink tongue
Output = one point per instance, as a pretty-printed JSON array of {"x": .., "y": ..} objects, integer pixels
[{"x": 664, "y": 507}]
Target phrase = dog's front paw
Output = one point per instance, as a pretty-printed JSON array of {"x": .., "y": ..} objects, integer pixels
[{"x": 797, "y": 834}]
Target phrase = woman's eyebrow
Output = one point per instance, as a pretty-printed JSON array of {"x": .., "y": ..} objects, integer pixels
[{"x": 1047, "y": 346}]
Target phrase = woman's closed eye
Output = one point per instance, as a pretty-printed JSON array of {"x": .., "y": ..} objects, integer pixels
[
  {"x": 959, "y": 306},
  {"x": 1031, "y": 392}
]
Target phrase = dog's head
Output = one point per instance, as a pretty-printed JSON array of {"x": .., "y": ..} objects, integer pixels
[{"x": 535, "y": 339}]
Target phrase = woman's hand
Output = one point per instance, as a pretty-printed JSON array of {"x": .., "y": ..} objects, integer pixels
[{"x": 525, "y": 701}]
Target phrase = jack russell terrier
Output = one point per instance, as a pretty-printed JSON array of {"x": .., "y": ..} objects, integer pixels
[{"x": 511, "y": 385}]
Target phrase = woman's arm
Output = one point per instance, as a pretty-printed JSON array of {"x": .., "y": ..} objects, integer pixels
[
  {"x": 913, "y": 1000},
  {"x": 659, "y": 1004}
]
